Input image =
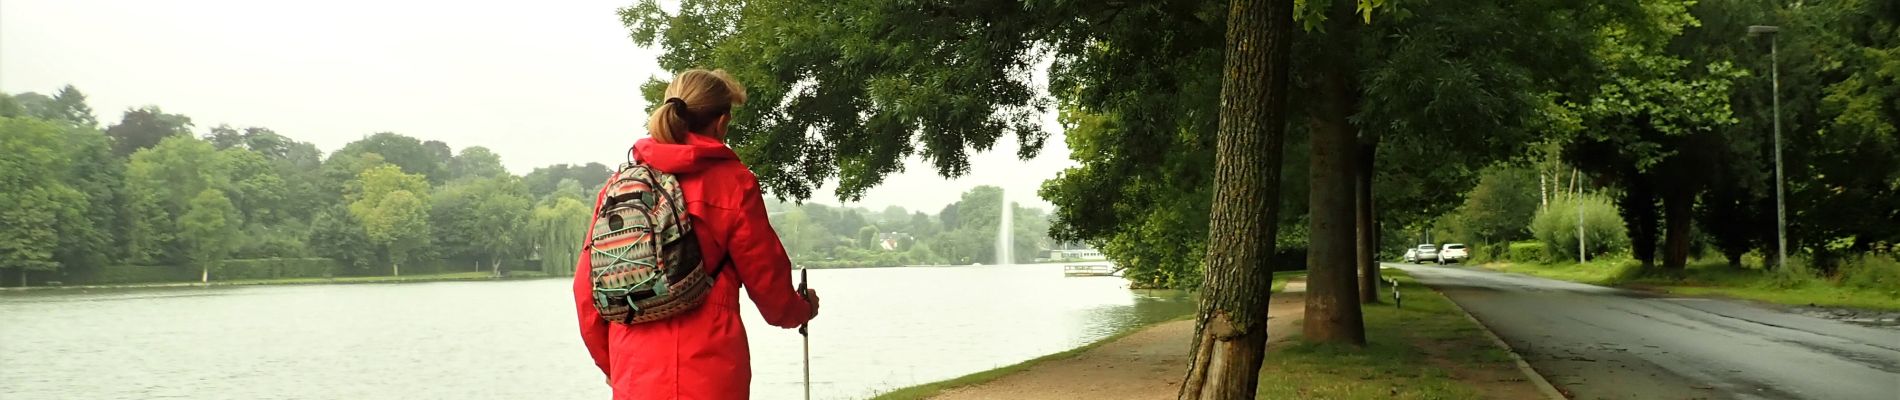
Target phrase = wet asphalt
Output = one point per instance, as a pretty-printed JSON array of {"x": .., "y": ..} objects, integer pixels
[{"x": 1595, "y": 342}]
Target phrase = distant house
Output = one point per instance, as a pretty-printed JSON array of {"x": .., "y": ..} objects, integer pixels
[{"x": 888, "y": 240}]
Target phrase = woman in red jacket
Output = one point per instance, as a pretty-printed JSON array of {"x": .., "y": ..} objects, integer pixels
[{"x": 702, "y": 353}]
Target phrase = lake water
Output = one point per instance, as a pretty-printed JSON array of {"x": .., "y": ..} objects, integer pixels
[{"x": 881, "y": 329}]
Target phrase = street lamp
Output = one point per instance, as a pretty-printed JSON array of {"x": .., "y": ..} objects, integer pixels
[{"x": 1781, "y": 207}]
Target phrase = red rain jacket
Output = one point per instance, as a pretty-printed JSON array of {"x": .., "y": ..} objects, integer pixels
[{"x": 701, "y": 354}]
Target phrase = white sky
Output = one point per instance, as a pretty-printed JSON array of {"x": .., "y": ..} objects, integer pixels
[{"x": 539, "y": 82}]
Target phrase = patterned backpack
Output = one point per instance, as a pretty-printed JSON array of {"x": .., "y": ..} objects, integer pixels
[{"x": 646, "y": 260}]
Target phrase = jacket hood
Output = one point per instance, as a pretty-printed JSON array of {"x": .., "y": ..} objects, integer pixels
[{"x": 698, "y": 153}]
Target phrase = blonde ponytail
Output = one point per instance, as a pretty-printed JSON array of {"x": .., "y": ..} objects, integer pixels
[{"x": 694, "y": 101}]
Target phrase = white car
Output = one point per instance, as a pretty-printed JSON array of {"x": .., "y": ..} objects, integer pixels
[{"x": 1453, "y": 252}]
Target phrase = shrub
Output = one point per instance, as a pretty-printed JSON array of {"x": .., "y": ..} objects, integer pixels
[
  {"x": 275, "y": 268},
  {"x": 1556, "y": 227},
  {"x": 1795, "y": 274},
  {"x": 1873, "y": 271},
  {"x": 1527, "y": 252}
]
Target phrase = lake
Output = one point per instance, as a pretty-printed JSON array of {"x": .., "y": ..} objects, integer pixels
[{"x": 880, "y": 329}]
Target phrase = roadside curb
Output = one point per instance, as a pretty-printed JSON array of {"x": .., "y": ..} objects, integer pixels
[{"x": 1543, "y": 385}]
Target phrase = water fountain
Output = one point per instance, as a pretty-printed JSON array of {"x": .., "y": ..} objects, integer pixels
[{"x": 1003, "y": 230}]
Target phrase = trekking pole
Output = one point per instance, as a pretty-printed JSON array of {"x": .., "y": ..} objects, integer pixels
[{"x": 803, "y": 278}]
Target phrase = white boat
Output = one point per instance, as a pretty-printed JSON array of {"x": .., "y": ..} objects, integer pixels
[{"x": 1089, "y": 270}]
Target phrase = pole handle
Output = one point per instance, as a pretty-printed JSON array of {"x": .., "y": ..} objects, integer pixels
[{"x": 803, "y": 278}]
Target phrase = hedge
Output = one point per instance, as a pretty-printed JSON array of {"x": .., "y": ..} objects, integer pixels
[
  {"x": 1527, "y": 252},
  {"x": 275, "y": 268},
  {"x": 125, "y": 274}
]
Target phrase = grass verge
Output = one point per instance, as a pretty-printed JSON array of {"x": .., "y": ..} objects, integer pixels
[
  {"x": 1417, "y": 352},
  {"x": 928, "y": 390},
  {"x": 1714, "y": 278}
]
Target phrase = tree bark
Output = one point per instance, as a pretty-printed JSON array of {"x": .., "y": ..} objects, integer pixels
[
  {"x": 1677, "y": 204},
  {"x": 1230, "y": 334},
  {"x": 1639, "y": 215},
  {"x": 1367, "y": 224},
  {"x": 1332, "y": 287}
]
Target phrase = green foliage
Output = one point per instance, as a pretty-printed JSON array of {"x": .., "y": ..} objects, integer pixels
[
  {"x": 1872, "y": 271},
  {"x": 1500, "y": 208},
  {"x": 558, "y": 228},
  {"x": 850, "y": 91},
  {"x": 391, "y": 207},
  {"x": 145, "y": 127},
  {"x": 209, "y": 228},
  {"x": 552, "y": 180},
  {"x": 1556, "y": 227},
  {"x": 476, "y": 161},
  {"x": 47, "y": 220},
  {"x": 1527, "y": 252},
  {"x": 275, "y": 268},
  {"x": 482, "y": 218},
  {"x": 429, "y": 159}
]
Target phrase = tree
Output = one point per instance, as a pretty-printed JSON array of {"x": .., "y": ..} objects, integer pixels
[
  {"x": 70, "y": 105},
  {"x": 1332, "y": 294},
  {"x": 160, "y": 183},
  {"x": 1499, "y": 209},
  {"x": 1653, "y": 126},
  {"x": 430, "y": 159},
  {"x": 867, "y": 238},
  {"x": 210, "y": 228},
  {"x": 483, "y": 219},
  {"x": 38, "y": 202},
  {"x": 548, "y": 181},
  {"x": 476, "y": 161},
  {"x": 395, "y": 218},
  {"x": 145, "y": 127},
  {"x": 29, "y": 105},
  {"x": 1231, "y": 331},
  {"x": 336, "y": 234},
  {"x": 560, "y": 227}
]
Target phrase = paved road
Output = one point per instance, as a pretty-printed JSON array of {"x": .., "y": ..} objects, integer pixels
[{"x": 1594, "y": 342}]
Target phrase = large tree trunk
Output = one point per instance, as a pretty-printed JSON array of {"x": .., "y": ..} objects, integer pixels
[
  {"x": 1639, "y": 216},
  {"x": 1332, "y": 286},
  {"x": 1230, "y": 333},
  {"x": 1368, "y": 226},
  {"x": 1677, "y": 205}
]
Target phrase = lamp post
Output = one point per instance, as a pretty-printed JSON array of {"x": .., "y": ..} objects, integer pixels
[{"x": 1781, "y": 206}]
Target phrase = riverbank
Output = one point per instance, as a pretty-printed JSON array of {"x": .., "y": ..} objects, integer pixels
[
  {"x": 454, "y": 276},
  {"x": 1714, "y": 278},
  {"x": 1155, "y": 333},
  {"x": 1429, "y": 349}
]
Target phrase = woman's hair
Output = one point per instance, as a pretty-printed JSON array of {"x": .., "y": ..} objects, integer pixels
[{"x": 694, "y": 100}]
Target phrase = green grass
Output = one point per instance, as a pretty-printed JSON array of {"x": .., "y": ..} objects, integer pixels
[
  {"x": 1407, "y": 355},
  {"x": 1602, "y": 272},
  {"x": 1714, "y": 278}
]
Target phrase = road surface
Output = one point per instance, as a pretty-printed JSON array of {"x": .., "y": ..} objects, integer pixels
[{"x": 1594, "y": 342}]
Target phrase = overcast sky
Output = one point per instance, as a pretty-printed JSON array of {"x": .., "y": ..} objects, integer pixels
[{"x": 540, "y": 82}]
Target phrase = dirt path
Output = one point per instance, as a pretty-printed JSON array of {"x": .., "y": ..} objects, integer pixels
[{"x": 1145, "y": 365}]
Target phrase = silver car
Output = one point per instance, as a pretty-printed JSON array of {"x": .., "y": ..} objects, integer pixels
[{"x": 1422, "y": 254}]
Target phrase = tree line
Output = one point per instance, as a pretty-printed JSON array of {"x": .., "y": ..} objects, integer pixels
[
  {"x": 150, "y": 190},
  {"x": 1186, "y": 117},
  {"x": 961, "y": 233}
]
